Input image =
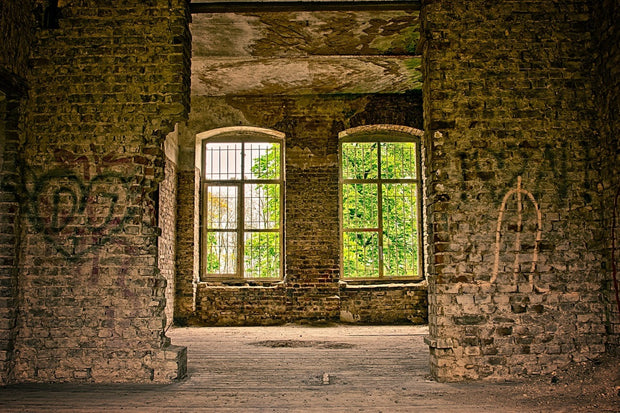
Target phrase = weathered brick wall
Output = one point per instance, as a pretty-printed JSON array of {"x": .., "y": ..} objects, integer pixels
[
  {"x": 508, "y": 122},
  {"x": 384, "y": 304},
  {"x": 241, "y": 306},
  {"x": 606, "y": 15},
  {"x": 311, "y": 125},
  {"x": 17, "y": 24},
  {"x": 9, "y": 229},
  {"x": 245, "y": 305},
  {"x": 106, "y": 87},
  {"x": 187, "y": 260},
  {"x": 167, "y": 219},
  {"x": 16, "y": 33}
]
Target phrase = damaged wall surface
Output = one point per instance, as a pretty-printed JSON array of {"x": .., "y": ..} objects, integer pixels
[
  {"x": 311, "y": 291},
  {"x": 517, "y": 280},
  {"x": 309, "y": 75},
  {"x": 99, "y": 195},
  {"x": 104, "y": 87}
]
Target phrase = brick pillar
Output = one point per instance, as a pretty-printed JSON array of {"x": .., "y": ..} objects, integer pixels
[
  {"x": 91, "y": 295},
  {"x": 514, "y": 264}
]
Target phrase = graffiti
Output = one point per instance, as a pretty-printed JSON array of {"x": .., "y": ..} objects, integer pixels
[
  {"x": 519, "y": 192},
  {"x": 78, "y": 214}
]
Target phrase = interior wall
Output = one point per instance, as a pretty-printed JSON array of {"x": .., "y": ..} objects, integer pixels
[
  {"x": 515, "y": 278},
  {"x": 167, "y": 221},
  {"x": 17, "y": 23},
  {"x": 107, "y": 83},
  {"x": 18, "y": 20},
  {"x": 607, "y": 37},
  {"x": 9, "y": 231},
  {"x": 311, "y": 291}
]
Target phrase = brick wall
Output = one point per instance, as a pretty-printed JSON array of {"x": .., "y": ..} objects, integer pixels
[
  {"x": 607, "y": 36},
  {"x": 16, "y": 33},
  {"x": 311, "y": 292},
  {"x": 17, "y": 21},
  {"x": 106, "y": 87},
  {"x": 187, "y": 262},
  {"x": 508, "y": 121},
  {"x": 384, "y": 304},
  {"x": 219, "y": 305},
  {"x": 9, "y": 229},
  {"x": 167, "y": 219}
]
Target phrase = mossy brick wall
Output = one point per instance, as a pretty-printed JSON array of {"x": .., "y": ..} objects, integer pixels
[
  {"x": 605, "y": 24},
  {"x": 311, "y": 123},
  {"x": 508, "y": 110},
  {"x": 106, "y": 87}
]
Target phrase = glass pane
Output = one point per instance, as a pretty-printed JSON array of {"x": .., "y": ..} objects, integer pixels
[
  {"x": 398, "y": 160},
  {"x": 359, "y": 160},
  {"x": 221, "y": 256},
  {"x": 262, "y": 160},
  {"x": 262, "y": 206},
  {"x": 400, "y": 232},
  {"x": 222, "y": 161},
  {"x": 359, "y": 206},
  {"x": 221, "y": 207},
  {"x": 262, "y": 255},
  {"x": 360, "y": 254}
]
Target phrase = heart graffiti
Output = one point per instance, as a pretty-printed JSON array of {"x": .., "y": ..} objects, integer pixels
[{"x": 78, "y": 216}]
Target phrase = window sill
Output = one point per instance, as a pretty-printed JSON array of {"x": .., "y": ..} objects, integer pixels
[
  {"x": 384, "y": 282},
  {"x": 240, "y": 283}
]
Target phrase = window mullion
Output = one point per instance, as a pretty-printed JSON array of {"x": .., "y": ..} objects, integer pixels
[
  {"x": 379, "y": 211},
  {"x": 241, "y": 218}
]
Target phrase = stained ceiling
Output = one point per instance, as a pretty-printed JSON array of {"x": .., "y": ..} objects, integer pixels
[{"x": 295, "y": 51}]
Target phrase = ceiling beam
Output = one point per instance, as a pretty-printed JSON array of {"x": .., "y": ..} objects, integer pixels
[{"x": 301, "y": 6}]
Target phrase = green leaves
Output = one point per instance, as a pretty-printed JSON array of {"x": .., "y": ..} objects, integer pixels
[{"x": 379, "y": 209}]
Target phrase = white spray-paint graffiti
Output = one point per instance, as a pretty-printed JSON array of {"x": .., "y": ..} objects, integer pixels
[{"x": 520, "y": 192}]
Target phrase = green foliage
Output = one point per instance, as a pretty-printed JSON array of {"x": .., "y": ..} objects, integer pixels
[
  {"x": 262, "y": 255},
  {"x": 262, "y": 249},
  {"x": 218, "y": 257},
  {"x": 362, "y": 256}
]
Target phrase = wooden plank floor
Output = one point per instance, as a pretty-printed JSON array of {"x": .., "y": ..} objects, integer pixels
[{"x": 283, "y": 369}]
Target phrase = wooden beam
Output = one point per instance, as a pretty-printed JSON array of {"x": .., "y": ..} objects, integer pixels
[{"x": 301, "y": 6}]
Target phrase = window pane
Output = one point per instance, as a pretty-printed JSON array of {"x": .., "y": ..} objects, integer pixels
[
  {"x": 359, "y": 160},
  {"x": 262, "y": 160},
  {"x": 262, "y": 255},
  {"x": 221, "y": 207},
  {"x": 359, "y": 206},
  {"x": 221, "y": 253},
  {"x": 398, "y": 160},
  {"x": 222, "y": 161},
  {"x": 400, "y": 237},
  {"x": 360, "y": 254},
  {"x": 262, "y": 206}
]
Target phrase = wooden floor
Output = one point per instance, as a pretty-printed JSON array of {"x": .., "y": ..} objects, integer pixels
[{"x": 283, "y": 369}]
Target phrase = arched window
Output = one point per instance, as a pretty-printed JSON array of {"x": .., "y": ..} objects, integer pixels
[
  {"x": 242, "y": 199},
  {"x": 380, "y": 208}
]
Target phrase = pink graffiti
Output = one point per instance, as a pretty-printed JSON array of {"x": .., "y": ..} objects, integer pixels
[{"x": 520, "y": 192}]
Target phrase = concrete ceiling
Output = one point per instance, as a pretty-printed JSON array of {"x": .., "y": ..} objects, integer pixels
[{"x": 305, "y": 52}]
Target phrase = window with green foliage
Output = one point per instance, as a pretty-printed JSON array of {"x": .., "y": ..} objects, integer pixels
[
  {"x": 380, "y": 208},
  {"x": 242, "y": 203}
]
